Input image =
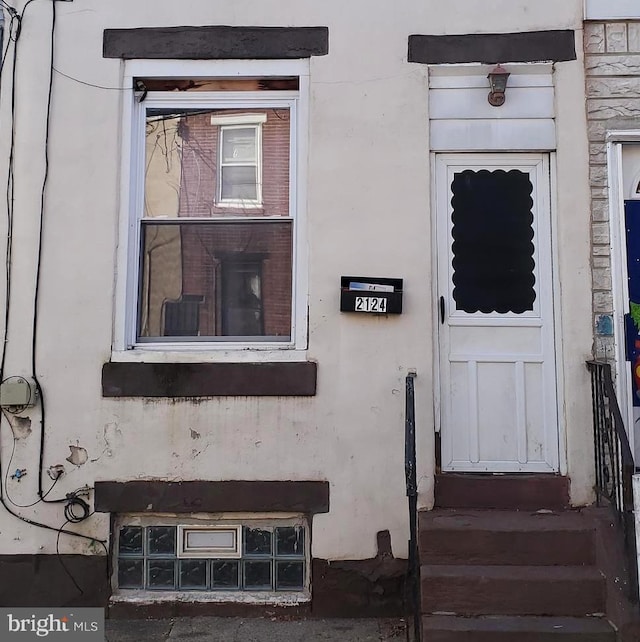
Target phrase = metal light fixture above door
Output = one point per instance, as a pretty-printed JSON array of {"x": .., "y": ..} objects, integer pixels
[{"x": 498, "y": 82}]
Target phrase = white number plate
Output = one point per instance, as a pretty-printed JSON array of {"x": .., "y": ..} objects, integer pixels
[{"x": 371, "y": 304}]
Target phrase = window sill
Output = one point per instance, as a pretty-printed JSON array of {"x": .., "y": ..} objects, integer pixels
[
  {"x": 284, "y": 598},
  {"x": 213, "y": 379},
  {"x": 196, "y": 354}
]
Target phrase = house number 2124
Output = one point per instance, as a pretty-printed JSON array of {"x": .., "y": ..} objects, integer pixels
[{"x": 371, "y": 304}]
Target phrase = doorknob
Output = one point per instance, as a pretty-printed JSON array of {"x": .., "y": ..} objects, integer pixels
[{"x": 441, "y": 309}]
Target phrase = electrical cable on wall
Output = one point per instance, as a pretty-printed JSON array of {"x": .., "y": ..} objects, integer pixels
[{"x": 76, "y": 509}]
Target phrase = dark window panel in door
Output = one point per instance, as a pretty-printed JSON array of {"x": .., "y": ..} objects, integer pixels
[{"x": 492, "y": 247}]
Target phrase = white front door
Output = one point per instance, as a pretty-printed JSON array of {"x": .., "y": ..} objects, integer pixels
[{"x": 498, "y": 400}]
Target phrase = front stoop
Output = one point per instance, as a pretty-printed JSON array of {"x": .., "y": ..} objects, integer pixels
[
  {"x": 504, "y": 492},
  {"x": 503, "y": 575},
  {"x": 443, "y": 628}
]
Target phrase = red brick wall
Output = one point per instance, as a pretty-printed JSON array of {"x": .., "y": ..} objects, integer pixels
[
  {"x": 205, "y": 247},
  {"x": 200, "y": 157}
]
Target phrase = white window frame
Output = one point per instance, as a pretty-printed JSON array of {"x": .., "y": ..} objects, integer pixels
[{"x": 125, "y": 344}]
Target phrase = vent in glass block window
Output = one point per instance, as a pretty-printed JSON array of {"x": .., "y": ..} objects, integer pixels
[{"x": 201, "y": 541}]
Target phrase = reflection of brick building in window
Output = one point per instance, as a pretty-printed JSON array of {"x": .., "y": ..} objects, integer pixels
[
  {"x": 215, "y": 257},
  {"x": 200, "y": 147},
  {"x": 210, "y": 249}
]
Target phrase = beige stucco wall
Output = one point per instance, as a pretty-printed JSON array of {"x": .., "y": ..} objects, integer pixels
[{"x": 368, "y": 213}]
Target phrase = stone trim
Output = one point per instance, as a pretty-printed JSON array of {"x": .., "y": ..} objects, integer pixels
[
  {"x": 308, "y": 497},
  {"x": 532, "y": 46},
  {"x": 216, "y": 43},
  {"x": 132, "y": 379}
]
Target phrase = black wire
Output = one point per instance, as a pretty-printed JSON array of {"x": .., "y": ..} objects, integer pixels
[
  {"x": 73, "y": 501},
  {"x": 48, "y": 527},
  {"x": 64, "y": 566},
  {"x": 15, "y": 30},
  {"x": 12, "y": 11},
  {"x": 6, "y": 479},
  {"x": 10, "y": 196},
  {"x": 36, "y": 297},
  {"x": 89, "y": 84}
]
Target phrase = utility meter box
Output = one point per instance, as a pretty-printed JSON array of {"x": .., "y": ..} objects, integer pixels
[{"x": 17, "y": 392}]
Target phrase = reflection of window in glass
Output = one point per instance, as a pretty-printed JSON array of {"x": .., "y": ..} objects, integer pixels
[
  {"x": 239, "y": 174},
  {"x": 216, "y": 228}
]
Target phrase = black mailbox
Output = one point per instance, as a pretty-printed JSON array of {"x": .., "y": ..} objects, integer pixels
[{"x": 370, "y": 295}]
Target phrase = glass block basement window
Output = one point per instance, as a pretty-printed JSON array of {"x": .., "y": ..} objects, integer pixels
[{"x": 152, "y": 558}]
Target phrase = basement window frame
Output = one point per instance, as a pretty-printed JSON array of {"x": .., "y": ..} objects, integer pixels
[
  {"x": 127, "y": 345},
  {"x": 244, "y": 589}
]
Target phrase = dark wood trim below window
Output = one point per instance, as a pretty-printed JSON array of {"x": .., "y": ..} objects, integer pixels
[
  {"x": 295, "y": 379},
  {"x": 157, "y": 496},
  {"x": 532, "y": 46},
  {"x": 216, "y": 43}
]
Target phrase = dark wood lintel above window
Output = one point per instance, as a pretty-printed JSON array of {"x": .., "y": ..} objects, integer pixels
[
  {"x": 216, "y": 42},
  {"x": 159, "y": 496},
  {"x": 124, "y": 379}
]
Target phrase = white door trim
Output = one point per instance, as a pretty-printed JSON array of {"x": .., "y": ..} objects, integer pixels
[
  {"x": 618, "y": 256},
  {"x": 555, "y": 447}
]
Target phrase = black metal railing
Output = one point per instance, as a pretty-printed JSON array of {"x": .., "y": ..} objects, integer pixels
[
  {"x": 614, "y": 461},
  {"x": 413, "y": 575}
]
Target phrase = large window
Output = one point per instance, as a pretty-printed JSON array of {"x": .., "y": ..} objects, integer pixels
[{"x": 214, "y": 206}]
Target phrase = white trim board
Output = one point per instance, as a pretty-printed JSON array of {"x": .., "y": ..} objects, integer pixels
[
  {"x": 493, "y": 135},
  {"x": 461, "y": 118},
  {"x": 611, "y": 9}
]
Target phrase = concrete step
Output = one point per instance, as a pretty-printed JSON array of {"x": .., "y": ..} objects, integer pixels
[
  {"x": 443, "y": 628},
  {"x": 485, "y": 537},
  {"x": 512, "y": 590},
  {"x": 506, "y": 492}
]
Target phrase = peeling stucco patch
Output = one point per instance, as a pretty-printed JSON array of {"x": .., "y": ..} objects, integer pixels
[
  {"x": 112, "y": 436},
  {"x": 78, "y": 455},
  {"x": 21, "y": 427}
]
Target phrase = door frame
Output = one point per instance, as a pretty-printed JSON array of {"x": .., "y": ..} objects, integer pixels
[
  {"x": 555, "y": 317},
  {"x": 617, "y": 197}
]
